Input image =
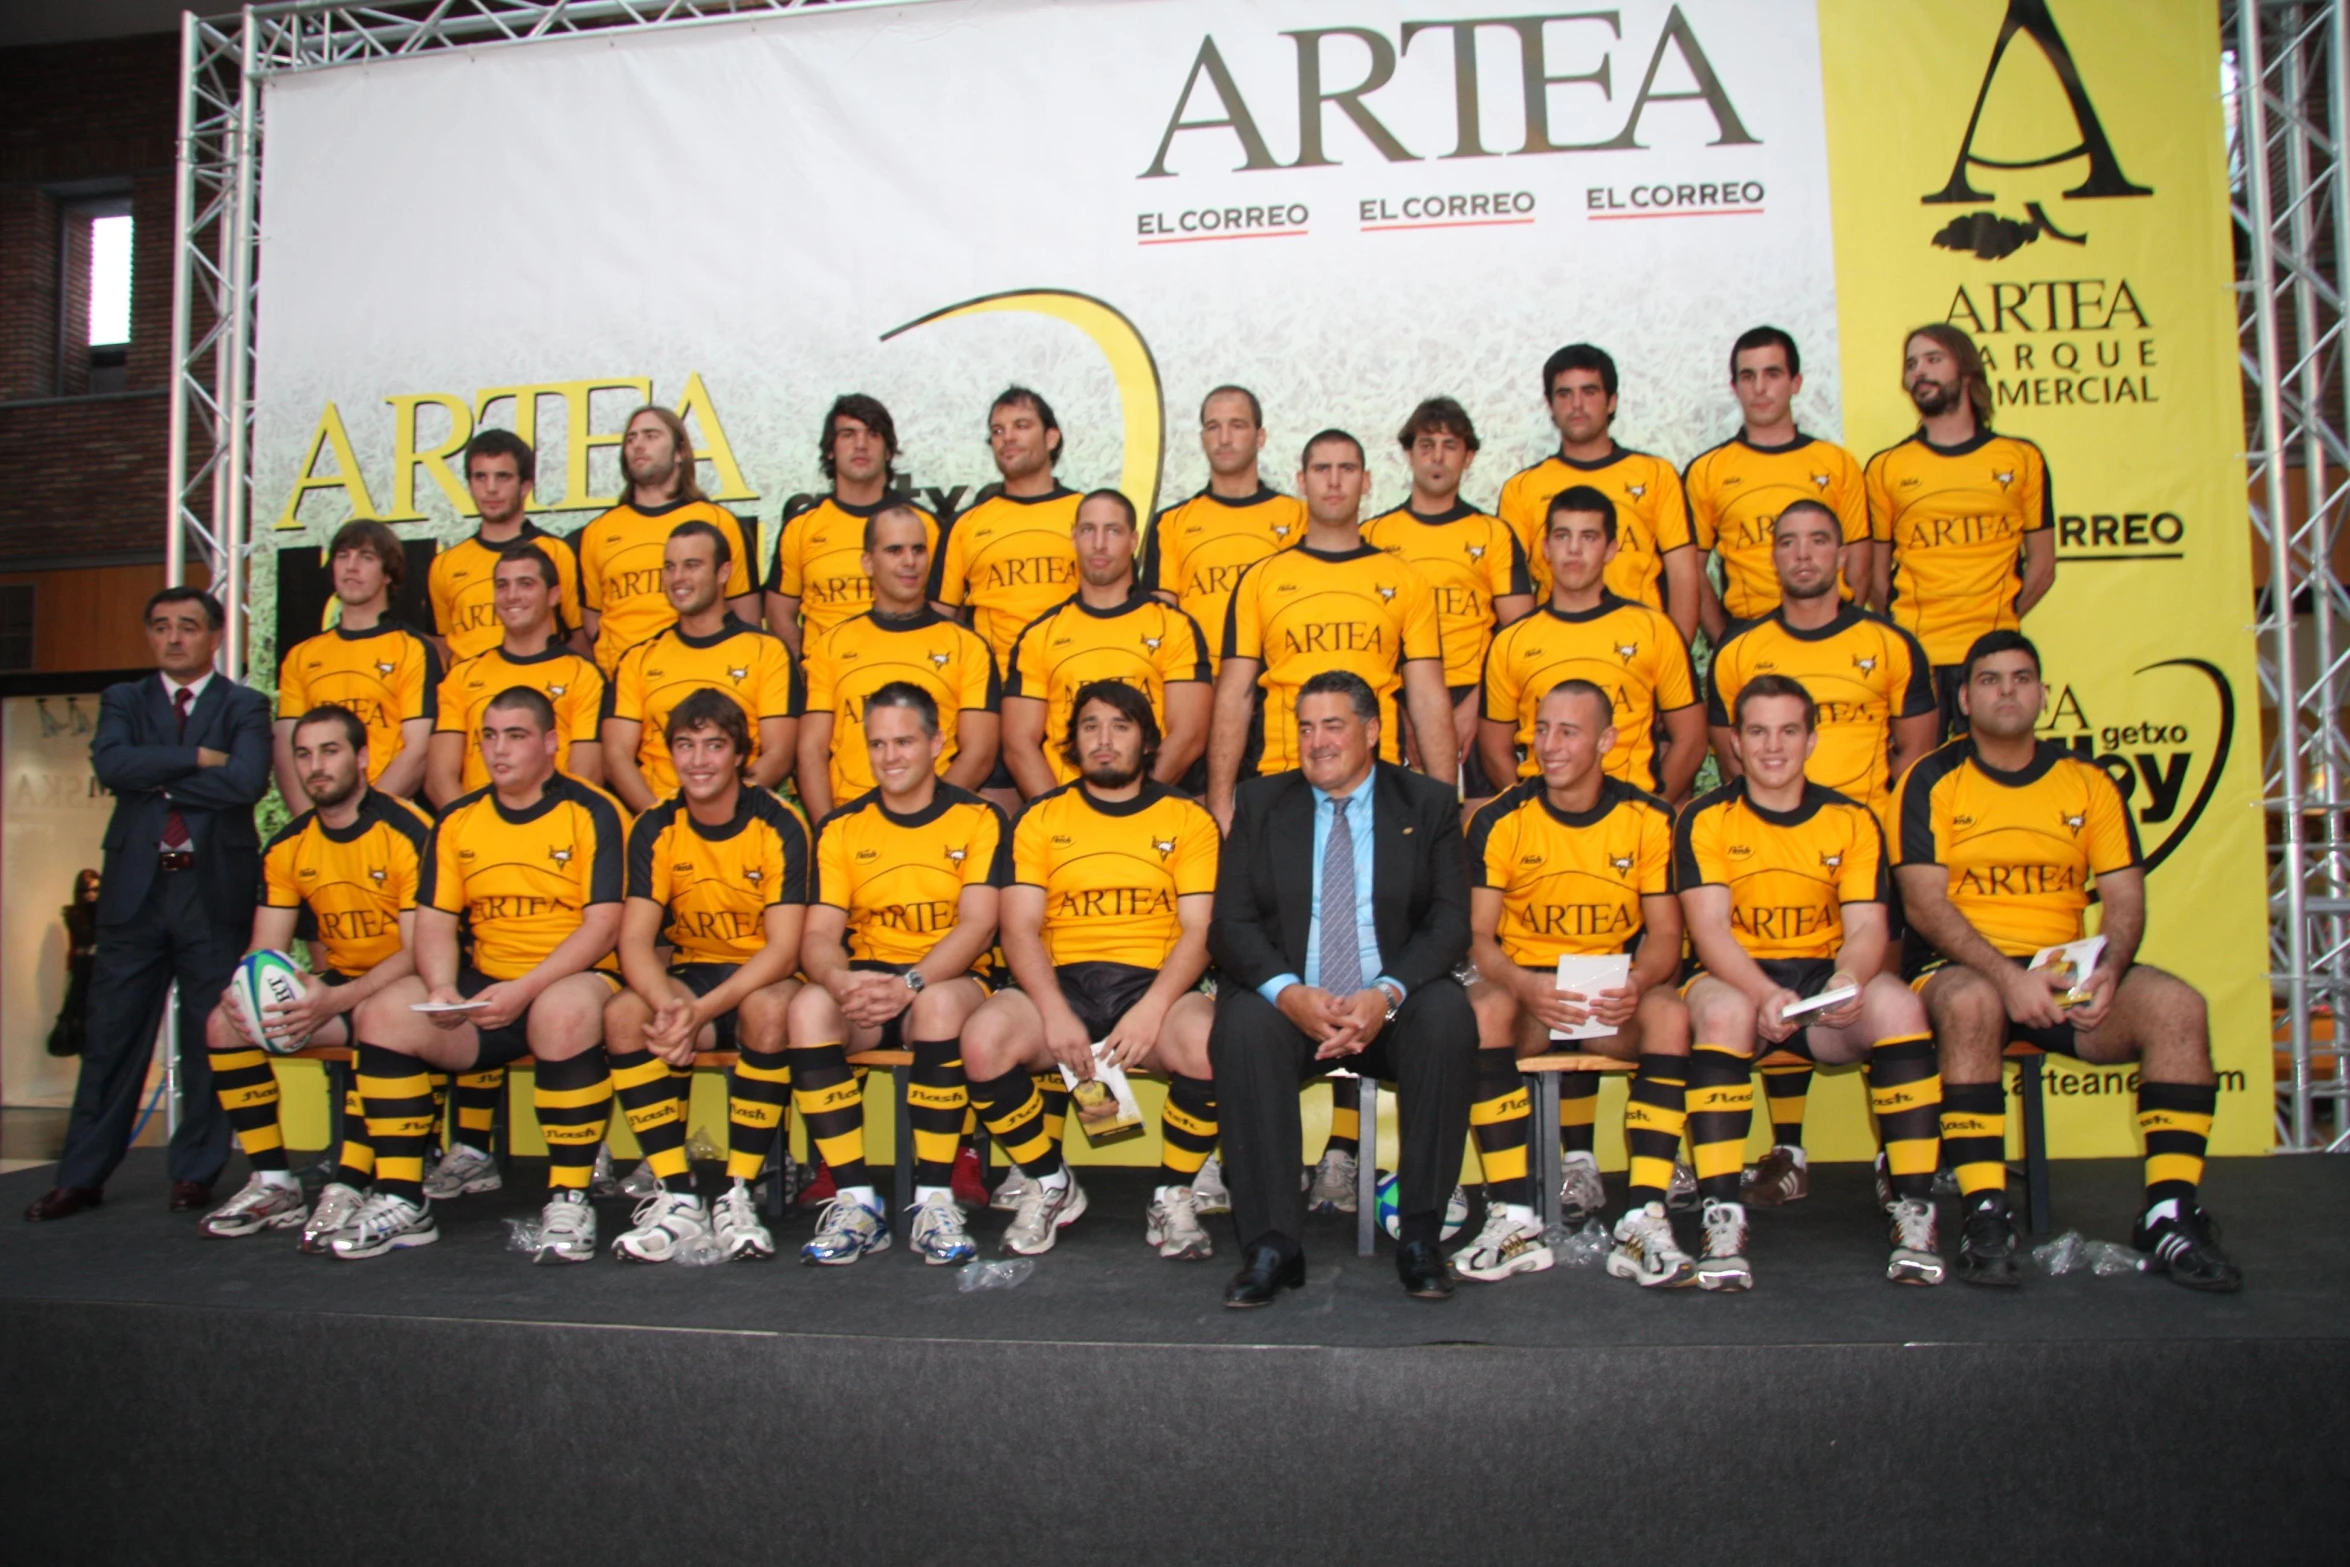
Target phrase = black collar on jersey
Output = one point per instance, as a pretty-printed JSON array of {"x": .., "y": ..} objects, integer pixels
[
  {"x": 548, "y": 654},
  {"x": 1357, "y": 553},
  {"x": 889, "y": 499},
  {"x": 662, "y": 510},
  {"x": 1612, "y": 793},
  {"x": 1798, "y": 444},
  {"x": 2045, "y": 755},
  {"x": 530, "y": 533},
  {"x": 925, "y": 616},
  {"x": 727, "y": 631},
  {"x": 552, "y": 793},
  {"x": 744, "y": 812},
  {"x": 1132, "y": 602},
  {"x": 1152, "y": 793},
  {"x": 1814, "y": 797},
  {"x": 1846, "y": 618},
  {"x": 1265, "y": 492},
  {"x": 1453, "y": 513},
  {"x": 1608, "y": 604},
  {"x": 383, "y": 627},
  {"x": 371, "y": 811},
  {"x": 1615, "y": 454},
  {"x": 944, "y": 797},
  {"x": 1973, "y": 443},
  {"x": 1059, "y": 491}
]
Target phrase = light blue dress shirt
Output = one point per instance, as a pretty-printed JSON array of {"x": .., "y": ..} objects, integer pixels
[{"x": 1326, "y": 808}]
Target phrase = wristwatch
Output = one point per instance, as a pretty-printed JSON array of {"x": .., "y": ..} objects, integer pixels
[
  {"x": 1394, "y": 1000},
  {"x": 914, "y": 980}
]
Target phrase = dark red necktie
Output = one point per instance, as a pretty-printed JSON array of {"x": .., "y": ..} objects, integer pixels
[{"x": 175, "y": 826}]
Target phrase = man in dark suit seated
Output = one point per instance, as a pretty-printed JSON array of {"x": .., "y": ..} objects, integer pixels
[
  {"x": 1299, "y": 992},
  {"x": 186, "y": 753}
]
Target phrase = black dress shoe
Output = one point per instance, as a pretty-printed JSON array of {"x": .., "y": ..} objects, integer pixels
[
  {"x": 1422, "y": 1268},
  {"x": 1265, "y": 1277},
  {"x": 62, "y": 1202},
  {"x": 190, "y": 1194}
]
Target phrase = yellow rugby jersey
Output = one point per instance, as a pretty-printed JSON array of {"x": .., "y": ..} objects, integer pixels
[
  {"x": 749, "y": 665},
  {"x": 900, "y": 879},
  {"x": 1956, "y": 517},
  {"x": 1469, "y": 559},
  {"x": 1111, "y": 870},
  {"x": 1790, "y": 873},
  {"x": 464, "y": 592},
  {"x": 1652, "y": 516},
  {"x": 1302, "y": 611},
  {"x": 620, "y": 556},
  {"x": 1198, "y": 548},
  {"x": 819, "y": 560},
  {"x": 1736, "y": 492},
  {"x": 1863, "y": 671},
  {"x": 521, "y": 880},
  {"x": 1145, "y": 642},
  {"x": 385, "y": 676},
  {"x": 1630, "y": 651},
  {"x": 353, "y": 882},
  {"x": 716, "y": 884},
  {"x": 1010, "y": 558},
  {"x": 866, "y": 652},
  {"x": 2021, "y": 848},
  {"x": 1571, "y": 881},
  {"x": 572, "y": 685}
]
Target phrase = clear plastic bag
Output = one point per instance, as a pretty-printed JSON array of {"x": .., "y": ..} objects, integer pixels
[
  {"x": 700, "y": 1149},
  {"x": 602, "y": 1184},
  {"x": 1577, "y": 1248},
  {"x": 1010, "y": 1273},
  {"x": 522, "y": 1235},
  {"x": 2072, "y": 1252},
  {"x": 699, "y": 1251},
  {"x": 641, "y": 1182},
  {"x": 2109, "y": 1260}
]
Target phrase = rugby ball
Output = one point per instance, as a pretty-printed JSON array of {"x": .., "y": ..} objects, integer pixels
[
  {"x": 267, "y": 979},
  {"x": 1383, "y": 1205}
]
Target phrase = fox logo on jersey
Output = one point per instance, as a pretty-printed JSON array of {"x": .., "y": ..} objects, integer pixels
[
  {"x": 1622, "y": 864},
  {"x": 2076, "y": 823},
  {"x": 1819, "y": 481},
  {"x": 557, "y": 691},
  {"x": 1867, "y": 666},
  {"x": 737, "y": 675},
  {"x": 1281, "y": 530},
  {"x": 2005, "y": 479},
  {"x": 939, "y": 659},
  {"x": 1635, "y": 490},
  {"x": 375, "y": 875},
  {"x": 754, "y": 876},
  {"x": 1165, "y": 846},
  {"x": 383, "y": 668},
  {"x": 559, "y": 856},
  {"x": 1152, "y": 643},
  {"x": 955, "y": 856},
  {"x": 1386, "y": 595},
  {"x": 1476, "y": 551},
  {"x": 1627, "y": 651},
  {"x": 1832, "y": 861}
]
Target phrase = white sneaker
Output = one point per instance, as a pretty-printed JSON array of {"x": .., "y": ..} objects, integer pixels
[
  {"x": 1681, "y": 1192},
  {"x": 463, "y": 1172},
  {"x": 1007, "y": 1196},
  {"x": 260, "y": 1205},
  {"x": 1647, "y": 1252},
  {"x": 338, "y": 1205},
  {"x": 1508, "y": 1244},
  {"x": 386, "y": 1223},
  {"x": 736, "y": 1222},
  {"x": 1173, "y": 1225},
  {"x": 845, "y": 1231},
  {"x": 1917, "y": 1246},
  {"x": 663, "y": 1222},
  {"x": 1723, "y": 1264},
  {"x": 1333, "y": 1188},
  {"x": 936, "y": 1232},
  {"x": 1209, "y": 1195},
  {"x": 1043, "y": 1211},
  {"x": 567, "y": 1229},
  {"x": 1581, "y": 1197}
]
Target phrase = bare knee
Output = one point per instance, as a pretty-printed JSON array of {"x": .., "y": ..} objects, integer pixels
[
  {"x": 814, "y": 1018},
  {"x": 1497, "y": 1015},
  {"x": 763, "y": 1020},
  {"x": 1722, "y": 1018}
]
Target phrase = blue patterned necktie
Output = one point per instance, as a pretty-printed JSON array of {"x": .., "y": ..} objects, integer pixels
[{"x": 1342, "y": 953}]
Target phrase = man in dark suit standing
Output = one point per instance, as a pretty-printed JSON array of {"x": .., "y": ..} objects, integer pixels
[
  {"x": 186, "y": 753},
  {"x": 1299, "y": 991}
]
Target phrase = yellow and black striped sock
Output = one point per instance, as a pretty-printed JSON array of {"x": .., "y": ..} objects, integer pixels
[
  {"x": 1578, "y": 1110},
  {"x": 1654, "y": 1117},
  {"x": 937, "y": 1099},
  {"x": 476, "y": 1098},
  {"x": 573, "y": 1102},
  {"x": 1720, "y": 1103},
  {"x": 1346, "y": 1116},
  {"x": 652, "y": 1096},
  {"x": 247, "y": 1090},
  {"x": 1905, "y": 1092},
  {"x": 758, "y": 1087},
  {"x": 1055, "y": 1094},
  {"x": 441, "y": 1118},
  {"x": 1974, "y": 1136},
  {"x": 1498, "y": 1115},
  {"x": 1013, "y": 1109},
  {"x": 398, "y": 1094},
  {"x": 831, "y": 1102},
  {"x": 355, "y": 1160},
  {"x": 1787, "y": 1090},
  {"x": 2175, "y": 1119},
  {"x": 1187, "y": 1129}
]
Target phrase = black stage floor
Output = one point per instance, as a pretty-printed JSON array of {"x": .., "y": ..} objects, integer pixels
[{"x": 1110, "y": 1408}]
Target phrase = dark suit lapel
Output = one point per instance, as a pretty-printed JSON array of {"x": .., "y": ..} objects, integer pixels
[
  {"x": 207, "y": 707},
  {"x": 158, "y": 707},
  {"x": 1289, "y": 841}
]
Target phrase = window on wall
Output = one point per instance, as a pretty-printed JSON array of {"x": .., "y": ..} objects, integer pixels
[
  {"x": 110, "y": 300},
  {"x": 94, "y": 290}
]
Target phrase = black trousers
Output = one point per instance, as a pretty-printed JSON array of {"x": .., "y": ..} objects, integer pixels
[
  {"x": 172, "y": 937},
  {"x": 1260, "y": 1058}
]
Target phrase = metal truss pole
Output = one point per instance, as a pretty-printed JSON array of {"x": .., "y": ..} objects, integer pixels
[{"x": 2293, "y": 213}]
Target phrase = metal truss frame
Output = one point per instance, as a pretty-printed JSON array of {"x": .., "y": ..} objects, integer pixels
[{"x": 2292, "y": 216}]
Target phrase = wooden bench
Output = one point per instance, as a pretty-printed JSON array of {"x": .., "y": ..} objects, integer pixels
[{"x": 1542, "y": 1133}]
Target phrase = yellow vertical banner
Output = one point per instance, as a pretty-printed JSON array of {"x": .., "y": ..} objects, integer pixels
[{"x": 2051, "y": 176}]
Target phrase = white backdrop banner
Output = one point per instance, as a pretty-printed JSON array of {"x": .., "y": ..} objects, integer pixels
[{"x": 55, "y": 815}]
